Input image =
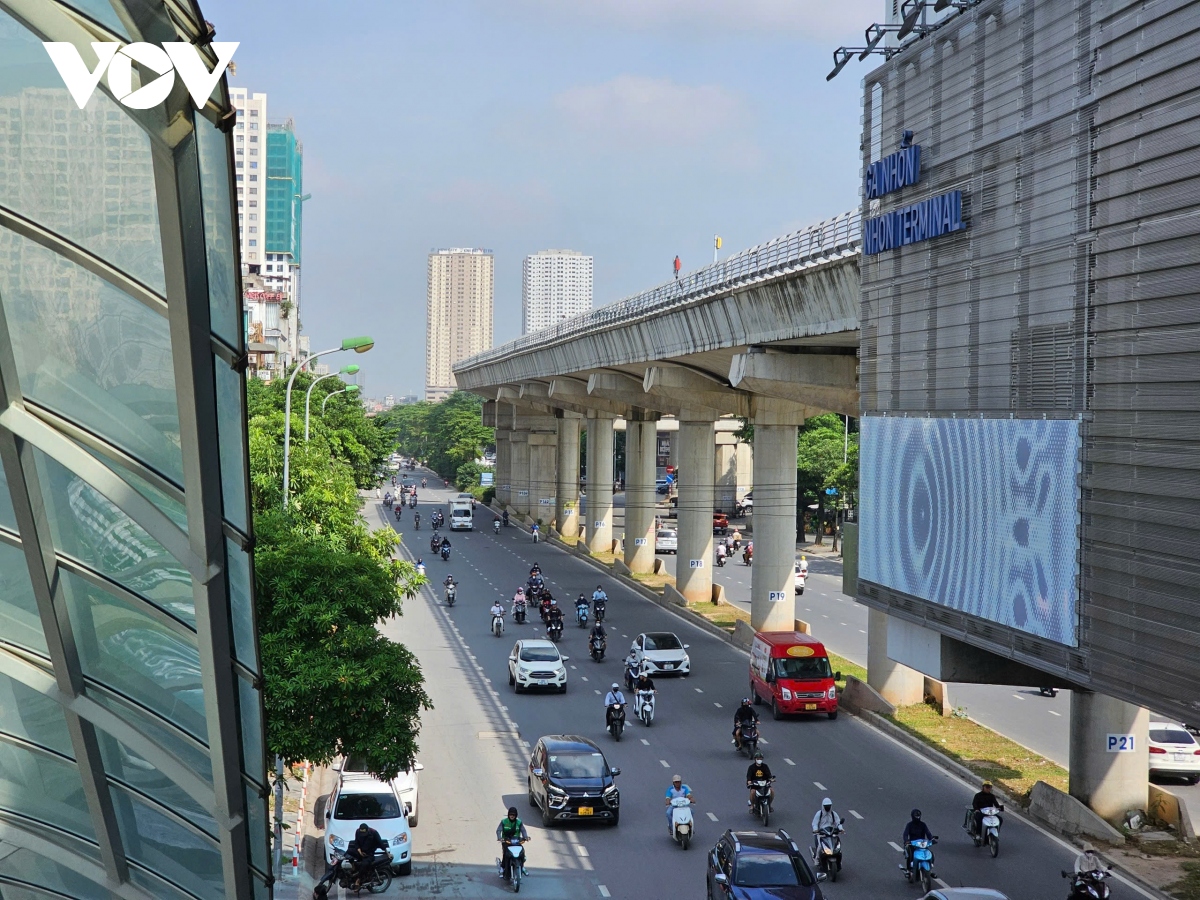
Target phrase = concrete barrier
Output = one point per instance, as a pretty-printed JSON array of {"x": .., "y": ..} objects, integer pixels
[
  {"x": 743, "y": 634},
  {"x": 718, "y": 594},
  {"x": 859, "y": 696},
  {"x": 940, "y": 692},
  {"x": 673, "y": 596},
  {"x": 620, "y": 568},
  {"x": 1069, "y": 816},
  {"x": 659, "y": 565},
  {"x": 1165, "y": 807},
  {"x": 803, "y": 627}
]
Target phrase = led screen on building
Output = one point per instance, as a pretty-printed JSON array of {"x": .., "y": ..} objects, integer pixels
[{"x": 978, "y": 515}]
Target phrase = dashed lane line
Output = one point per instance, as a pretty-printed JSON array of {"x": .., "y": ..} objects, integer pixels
[
  {"x": 1018, "y": 697},
  {"x": 895, "y": 846},
  {"x": 718, "y": 705},
  {"x": 788, "y": 761},
  {"x": 603, "y": 890},
  {"x": 855, "y": 814},
  {"x": 699, "y": 691},
  {"x": 711, "y": 816},
  {"x": 820, "y": 787},
  {"x": 665, "y": 764},
  {"x": 1053, "y": 713},
  {"x": 644, "y": 741}
]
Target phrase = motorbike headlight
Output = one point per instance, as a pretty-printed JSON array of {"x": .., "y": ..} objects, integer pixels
[
  {"x": 336, "y": 842},
  {"x": 787, "y": 695},
  {"x": 832, "y": 693},
  {"x": 399, "y": 839}
]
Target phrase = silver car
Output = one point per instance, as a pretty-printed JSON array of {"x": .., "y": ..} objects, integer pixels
[{"x": 666, "y": 540}]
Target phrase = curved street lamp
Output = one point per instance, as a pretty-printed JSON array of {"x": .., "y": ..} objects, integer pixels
[
  {"x": 344, "y": 370},
  {"x": 348, "y": 389}
]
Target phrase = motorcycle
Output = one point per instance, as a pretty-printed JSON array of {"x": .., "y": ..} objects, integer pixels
[
  {"x": 599, "y": 610},
  {"x": 496, "y": 526},
  {"x": 412, "y": 501},
  {"x": 421, "y": 569},
  {"x": 451, "y": 594},
  {"x": 445, "y": 551},
  {"x": 398, "y": 511},
  {"x": 554, "y": 631},
  {"x": 518, "y": 612},
  {"x": 497, "y": 624},
  {"x": 597, "y": 646},
  {"x": 544, "y": 608},
  {"x": 617, "y": 721},
  {"x": 512, "y": 852},
  {"x": 435, "y": 542},
  {"x": 827, "y": 856},
  {"x": 375, "y": 876},
  {"x": 632, "y": 670},
  {"x": 748, "y": 556},
  {"x": 921, "y": 867},
  {"x": 721, "y": 560},
  {"x": 1089, "y": 885},
  {"x": 1048, "y": 691},
  {"x": 761, "y": 806},
  {"x": 645, "y": 708},
  {"x": 416, "y": 521},
  {"x": 990, "y": 833},
  {"x": 581, "y": 615},
  {"x": 681, "y": 821},
  {"x": 748, "y": 739}
]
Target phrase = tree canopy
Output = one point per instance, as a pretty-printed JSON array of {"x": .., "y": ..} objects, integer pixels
[
  {"x": 820, "y": 446},
  {"x": 444, "y": 435}
]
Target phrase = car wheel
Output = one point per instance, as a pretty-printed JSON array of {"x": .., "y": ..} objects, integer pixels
[
  {"x": 1193, "y": 779},
  {"x": 775, "y": 713},
  {"x": 801, "y": 590},
  {"x": 412, "y": 820},
  {"x": 754, "y": 695},
  {"x": 563, "y": 689},
  {"x": 616, "y": 819},
  {"x": 833, "y": 715},
  {"x": 547, "y": 821},
  {"x": 532, "y": 798},
  {"x": 511, "y": 680},
  {"x": 404, "y": 869}
]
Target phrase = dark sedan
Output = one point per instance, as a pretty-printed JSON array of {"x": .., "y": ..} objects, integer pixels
[
  {"x": 570, "y": 780},
  {"x": 755, "y": 865}
]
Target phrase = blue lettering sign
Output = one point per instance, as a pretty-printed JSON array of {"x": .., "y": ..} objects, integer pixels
[
  {"x": 919, "y": 222},
  {"x": 893, "y": 172}
]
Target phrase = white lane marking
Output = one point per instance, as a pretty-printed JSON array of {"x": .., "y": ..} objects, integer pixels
[
  {"x": 595, "y": 691},
  {"x": 718, "y": 705},
  {"x": 1018, "y": 697},
  {"x": 940, "y": 883},
  {"x": 895, "y": 846},
  {"x": 581, "y": 850},
  {"x": 711, "y": 816},
  {"x": 665, "y": 764},
  {"x": 820, "y": 787},
  {"x": 644, "y": 741},
  {"x": 603, "y": 890},
  {"x": 584, "y": 677},
  {"x": 1053, "y": 713},
  {"x": 698, "y": 691},
  {"x": 788, "y": 761},
  {"x": 572, "y": 665},
  {"x": 856, "y": 815},
  {"x": 763, "y": 741},
  {"x": 860, "y": 631}
]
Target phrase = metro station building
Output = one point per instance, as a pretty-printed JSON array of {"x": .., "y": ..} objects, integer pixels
[
  {"x": 1030, "y": 379},
  {"x": 132, "y": 760}
]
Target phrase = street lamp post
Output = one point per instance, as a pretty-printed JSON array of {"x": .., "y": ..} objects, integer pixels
[
  {"x": 348, "y": 389},
  {"x": 345, "y": 370}
]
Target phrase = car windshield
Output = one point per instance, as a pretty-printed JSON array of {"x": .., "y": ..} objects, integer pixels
[
  {"x": 662, "y": 642},
  {"x": 461, "y": 513},
  {"x": 367, "y": 806},
  {"x": 539, "y": 654},
  {"x": 578, "y": 765},
  {"x": 803, "y": 668},
  {"x": 1171, "y": 736},
  {"x": 766, "y": 870},
  {"x": 666, "y": 534}
]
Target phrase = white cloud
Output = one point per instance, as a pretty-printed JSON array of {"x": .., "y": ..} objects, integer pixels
[{"x": 634, "y": 111}]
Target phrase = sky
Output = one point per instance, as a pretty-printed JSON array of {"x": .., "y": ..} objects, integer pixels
[{"x": 630, "y": 130}]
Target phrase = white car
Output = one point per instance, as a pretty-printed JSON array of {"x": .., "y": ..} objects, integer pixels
[
  {"x": 801, "y": 574},
  {"x": 404, "y": 784},
  {"x": 661, "y": 653},
  {"x": 964, "y": 893},
  {"x": 666, "y": 540},
  {"x": 536, "y": 664},
  {"x": 361, "y": 798},
  {"x": 1174, "y": 751}
]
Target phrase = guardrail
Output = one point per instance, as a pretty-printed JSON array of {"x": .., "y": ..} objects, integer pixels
[{"x": 831, "y": 239}]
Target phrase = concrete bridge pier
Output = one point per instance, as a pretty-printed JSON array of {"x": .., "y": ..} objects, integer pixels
[
  {"x": 543, "y": 450},
  {"x": 503, "y": 466},
  {"x": 1109, "y": 755},
  {"x": 566, "y": 494},
  {"x": 772, "y": 581},
  {"x": 641, "y": 436},
  {"x": 697, "y": 452},
  {"x": 599, "y": 482},
  {"x": 519, "y": 472}
]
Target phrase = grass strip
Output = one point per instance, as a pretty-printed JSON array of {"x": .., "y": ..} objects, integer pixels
[{"x": 1188, "y": 887}]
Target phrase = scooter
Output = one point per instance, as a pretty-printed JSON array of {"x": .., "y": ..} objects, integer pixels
[
  {"x": 681, "y": 821},
  {"x": 445, "y": 551},
  {"x": 451, "y": 594},
  {"x": 921, "y": 868},
  {"x": 617, "y": 723},
  {"x": 435, "y": 542},
  {"x": 497, "y": 625},
  {"x": 721, "y": 557},
  {"x": 827, "y": 855},
  {"x": 762, "y": 799},
  {"x": 1089, "y": 885},
  {"x": 496, "y": 526},
  {"x": 544, "y": 609},
  {"x": 374, "y": 877},
  {"x": 512, "y": 851},
  {"x": 990, "y": 833},
  {"x": 632, "y": 670},
  {"x": 581, "y": 614},
  {"x": 748, "y": 739},
  {"x": 554, "y": 631},
  {"x": 416, "y": 521},
  {"x": 645, "y": 707},
  {"x": 398, "y": 510},
  {"x": 518, "y": 612},
  {"x": 598, "y": 606},
  {"x": 597, "y": 646}
]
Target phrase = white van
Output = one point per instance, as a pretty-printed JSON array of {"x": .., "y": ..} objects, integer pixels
[{"x": 460, "y": 516}]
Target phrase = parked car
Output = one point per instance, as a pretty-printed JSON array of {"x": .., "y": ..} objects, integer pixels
[
  {"x": 1174, "y": 752},
  {"x": 746, "y": 506},
  {"x": 536, "y": 663},
  {"x": 662, "y": 486},
  {"x": 661, "y": 653},
  {"x": 720, "y": 523},
  {"x": 361, "y": 798},
  {"x": 755, "y": 865},
  {"x": 666, "y": 540},
  {"x": 570, "y": 780},
  {"x": 404, "y": 784}
]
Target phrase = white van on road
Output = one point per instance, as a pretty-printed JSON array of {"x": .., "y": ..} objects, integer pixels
[{"x": 460, "y": 516}]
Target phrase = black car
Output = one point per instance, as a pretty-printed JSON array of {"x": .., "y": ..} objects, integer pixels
[
  {"x": 570, "y": 780},
  {"x": 755, "y": 865}
]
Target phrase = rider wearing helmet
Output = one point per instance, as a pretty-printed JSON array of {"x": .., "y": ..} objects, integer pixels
[
  {"x": 745, "y": 715},
  {"x": 554, "y": 615},
  {"x": 614, "y": 697},
  {"x": 825, "y": 818},
  {"x": 758, "y": 771},
  {"x": 361, "y": 850},
  {"x": 915, "y": 830}
]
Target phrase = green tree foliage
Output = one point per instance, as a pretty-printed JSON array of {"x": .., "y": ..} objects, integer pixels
[
  {"x": 443, "y": 435},
  {"x": 819, "y": 450}
]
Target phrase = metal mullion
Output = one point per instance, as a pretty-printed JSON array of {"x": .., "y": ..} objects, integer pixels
[
  {"x": 9, "y": 537},
  {"x": 17, "y": 834},
  {"x": 177, "y": 182}
]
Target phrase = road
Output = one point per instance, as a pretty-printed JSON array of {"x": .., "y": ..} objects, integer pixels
[{"x": 873, "y": 781}]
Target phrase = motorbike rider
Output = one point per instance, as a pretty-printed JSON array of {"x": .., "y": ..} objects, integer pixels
[
  {"x": 736, "y": 538},
  {"x": 535, "y": 531},
  {"x": 496, "y": 523},
  {"x": 417, "y": 521},
  {"x": 581, "y": 602},
  {"x": 511, "y": 827},
  {"x": 504, "y": 518},
  {"x": 825, "y": 818},
  {"x": 613, "y": 697},
  {"x": 631, "y": 665},
  {"x": 744, "y": 715},
  {"x": 361, "y": 851},
  {"x": 677, "y": 789},
  {"x": 598, "y": 595},
  {"x": 721, "y": 553},
  {"x": 554, "y": 615},
  {"x": 985, "y": 799},
  {"x": 424, "y": 483},
  {"x": 445, "y": 545},
  {"x": 1088, "y": 861},
  {"x": 598, "y": 632},
  {"x": 519, "y": 595},
  {"x": 644, "y": 683},
  {"x": 758, "y": 771},
  {"x": 498, "y": 609},
  {"x": 915, "y": 830},
  {"x": 450, "y": 582},
  {"x": 420, "y": 566}
]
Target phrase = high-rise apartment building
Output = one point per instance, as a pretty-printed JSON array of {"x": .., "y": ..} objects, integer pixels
[
  {"x": 459, "y": 314},
  {"x": 555, "y": 285}
]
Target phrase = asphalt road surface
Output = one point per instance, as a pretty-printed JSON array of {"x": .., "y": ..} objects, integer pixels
[{"x": 873, "y": 781}]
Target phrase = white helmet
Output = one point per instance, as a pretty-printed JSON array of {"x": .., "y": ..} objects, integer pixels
[
  {"x": 827, "y": 803},
  {"x": 615, "y": 686}
]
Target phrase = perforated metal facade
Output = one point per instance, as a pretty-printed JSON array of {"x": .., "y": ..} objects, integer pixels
[{"x": 1071, "y": 130}]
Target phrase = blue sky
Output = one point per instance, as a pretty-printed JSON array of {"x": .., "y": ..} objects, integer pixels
[{"x": 631, "y": 130}]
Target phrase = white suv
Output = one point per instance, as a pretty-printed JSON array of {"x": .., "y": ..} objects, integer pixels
[
  {"x": 361, "y": 798},
  {"x": 404, "y": 784}
]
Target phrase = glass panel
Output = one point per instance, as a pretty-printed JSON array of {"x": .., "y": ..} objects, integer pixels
[
  {"x": 157, "y": 888},
  {"x": 241, "y": 608},
  {"x": 194, "y": 757},
  {"x": 261, "y": 891},
  {"x": 224, "y": 290},
  {"x": 27, "y": 714},
  {"x": 91, "y": 353},
  {"x": 231, "y": 425},
  {"x": 41, "y": 870},
  {"x": 164, "y": 846},
  {"x": 124, "y": 648},
  {"x": 256, "y": 829},
  {"x": 7, "y": 519},
  {"x": 44, "y": 787},
  {"x": 19, "y": 620},
  {"x": 102, "y": 12},
  {"x": 85, "y": 174},
  {"x": 125, "y": 766},
  {"x": 86, "y": 525},
  {"x": 253, "y": 752},
  {"x": 165, "y": 503}
]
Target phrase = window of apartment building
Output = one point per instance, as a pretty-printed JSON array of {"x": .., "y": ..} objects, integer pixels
[
  {"x": 253, "y": 243},
  {"x": 253, "y": 191},
  {"x": 254, "y": 178},
  {"x": 253, "y": 165},
  {"x": 254, "y": 126},
  {"x": 253, "y": 217},
  {"x": 253, "y": 203},
  {"x": 240, "y": 177},
  {"x": 254, "y": 112},
  {"x": 254, "y": 229},
  {"x": 254, "y": 138}
]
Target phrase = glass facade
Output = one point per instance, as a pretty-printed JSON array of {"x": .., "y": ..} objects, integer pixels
[
  {"x": 132, "y": 749},
  {"x": 285, "y": 163}
]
